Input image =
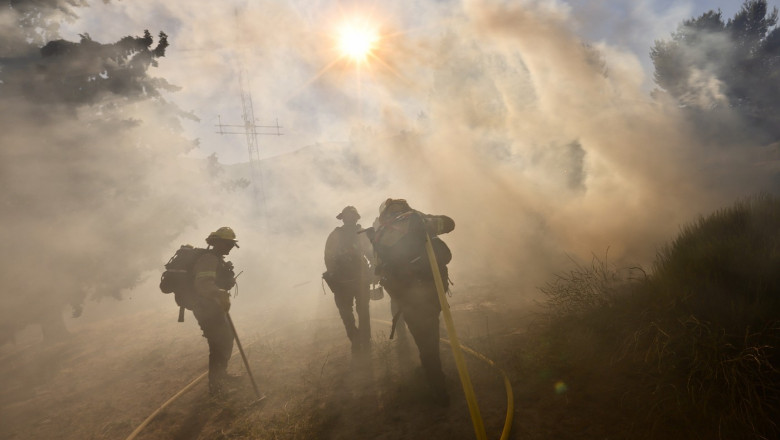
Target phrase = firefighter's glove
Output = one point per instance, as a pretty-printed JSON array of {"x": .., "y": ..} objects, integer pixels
[
  {"x": 231, "y": 275},
  {"x": 223, "y": 298},
  {"x": 230, "y": 282}
]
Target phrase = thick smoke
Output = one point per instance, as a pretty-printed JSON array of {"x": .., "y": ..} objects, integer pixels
[
  {"x": 96, "y": 182},
  {"x": 540, "y": 145}
]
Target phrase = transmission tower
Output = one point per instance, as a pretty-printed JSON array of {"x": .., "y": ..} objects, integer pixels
[{"x": 251, "y": 131}]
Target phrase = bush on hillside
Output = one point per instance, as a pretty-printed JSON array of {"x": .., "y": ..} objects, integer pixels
[
  {"x": 700, "y": 333},
  {"x": 584, "y": 288}
]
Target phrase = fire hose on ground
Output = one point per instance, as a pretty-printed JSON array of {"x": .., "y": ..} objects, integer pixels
[
  {"x": 457, "y": 350},
  {"x": 507, "y": 385}
]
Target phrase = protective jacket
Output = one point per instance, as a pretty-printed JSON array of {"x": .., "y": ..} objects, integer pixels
[
  {"x": 213, "y": 278},
  {"x": 347, "y": 254},
  {"x": 399, "y": 243},
  {"x": 406, "y": 273},
  {"x": 213, "y": 275}
]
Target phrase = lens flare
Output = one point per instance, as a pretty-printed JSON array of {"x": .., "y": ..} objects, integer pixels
[
  {"x": 359, "y": 43},
  {"x": 357, "y": 40}
]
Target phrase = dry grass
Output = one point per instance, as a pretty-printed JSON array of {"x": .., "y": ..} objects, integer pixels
[
  {"x": 696, "y": 341},
  {"x": 585, "y": 288},
  {"x": 688, "y": 351}
]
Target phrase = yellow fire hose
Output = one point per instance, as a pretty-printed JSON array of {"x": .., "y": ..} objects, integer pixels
[
  {"x": 510, "y": 397},
  {"x": 457, "y": 350},
  {"x": 164, "y": 405},
  {"x": 460, "y": 362},
  {"x": 507, "y": 385}
]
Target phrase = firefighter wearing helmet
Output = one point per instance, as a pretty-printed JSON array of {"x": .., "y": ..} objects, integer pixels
[
  {"x": 214, "y": 278},
  {"x": 399, "y": 237},
  {"x": 348, "y": 256}
]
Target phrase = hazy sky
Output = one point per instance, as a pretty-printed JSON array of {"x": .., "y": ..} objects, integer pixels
[
  {"x": 284, "y": 45},
  {"x": 529, "y": 122}
]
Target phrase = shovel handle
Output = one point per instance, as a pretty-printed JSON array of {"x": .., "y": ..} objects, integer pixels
[{"x": 243, "y": 356}]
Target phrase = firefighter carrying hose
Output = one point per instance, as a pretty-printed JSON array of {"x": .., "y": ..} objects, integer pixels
[{"x": 399, "y": 238}]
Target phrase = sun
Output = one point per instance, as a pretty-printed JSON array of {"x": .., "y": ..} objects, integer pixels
[{"x": 357, "y": 40}]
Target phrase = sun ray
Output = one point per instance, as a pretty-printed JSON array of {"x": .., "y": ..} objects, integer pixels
[
  {"x": 386, "y": 66},
  {"x": 357, "y": 41},
  {"x": 314, "y": 78}
]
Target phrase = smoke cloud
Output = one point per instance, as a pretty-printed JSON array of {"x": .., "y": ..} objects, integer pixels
[{"x": 540, "y": 145}]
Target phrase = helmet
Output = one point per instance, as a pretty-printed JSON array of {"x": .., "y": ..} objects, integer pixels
[
  {"x": 348, "y": 210},
  {"x": 393, "y": 206},
  {"x": 223, "y": 233}
]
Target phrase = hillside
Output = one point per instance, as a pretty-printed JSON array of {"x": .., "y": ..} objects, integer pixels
[{"x": 686, "y": 350}]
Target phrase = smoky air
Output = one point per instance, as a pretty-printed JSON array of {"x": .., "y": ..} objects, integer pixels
[{"x": 549, "y": 143}]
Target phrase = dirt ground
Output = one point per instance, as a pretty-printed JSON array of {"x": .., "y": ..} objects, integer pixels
[{"x": 107, "y": 377}]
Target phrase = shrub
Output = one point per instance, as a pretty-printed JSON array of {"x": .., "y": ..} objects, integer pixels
[{"x": 701, "y": 332}]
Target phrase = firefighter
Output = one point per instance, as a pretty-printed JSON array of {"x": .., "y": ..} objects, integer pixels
[
  {"x": 405, "y": 272},
  {"x": 214, "y": 278},
  {"x": 348, "y": 259}
]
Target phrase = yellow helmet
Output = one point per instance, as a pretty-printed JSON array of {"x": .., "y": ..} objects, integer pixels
[{"x": 223, "y": 233}]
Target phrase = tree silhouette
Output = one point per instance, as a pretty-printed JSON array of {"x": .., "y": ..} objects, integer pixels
[
  {"x": 83, "y": 72},
  {"x": 709, "y": 63},
  {"x": 28, "y": 24},
  {"x": 94, "y": 186}
]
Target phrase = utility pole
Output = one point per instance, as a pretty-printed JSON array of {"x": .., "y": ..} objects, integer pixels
[{"x": 251, "y": 131}]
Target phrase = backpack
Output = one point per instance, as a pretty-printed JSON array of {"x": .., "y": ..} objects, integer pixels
[
  {"x": 441, "y": 250},
  {"x": 178, "y": 277},
  {"x": 400, "y": 249},
  {"x": 443, "y": 257}
]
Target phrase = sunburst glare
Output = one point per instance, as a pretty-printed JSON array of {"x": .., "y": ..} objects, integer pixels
[{"x": 357, "y": 40}]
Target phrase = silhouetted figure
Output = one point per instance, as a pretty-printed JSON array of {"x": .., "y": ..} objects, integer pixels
[
  {"x": 348, "y": 257},
  {"x": 214, "y": 278},
  {"x": 402, "y": 264}
]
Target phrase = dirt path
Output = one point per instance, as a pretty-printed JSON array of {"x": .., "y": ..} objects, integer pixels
[{"x": 110, "y": 375}]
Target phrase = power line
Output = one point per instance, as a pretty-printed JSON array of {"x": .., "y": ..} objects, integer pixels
[{"x": 251, "y": 130}]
